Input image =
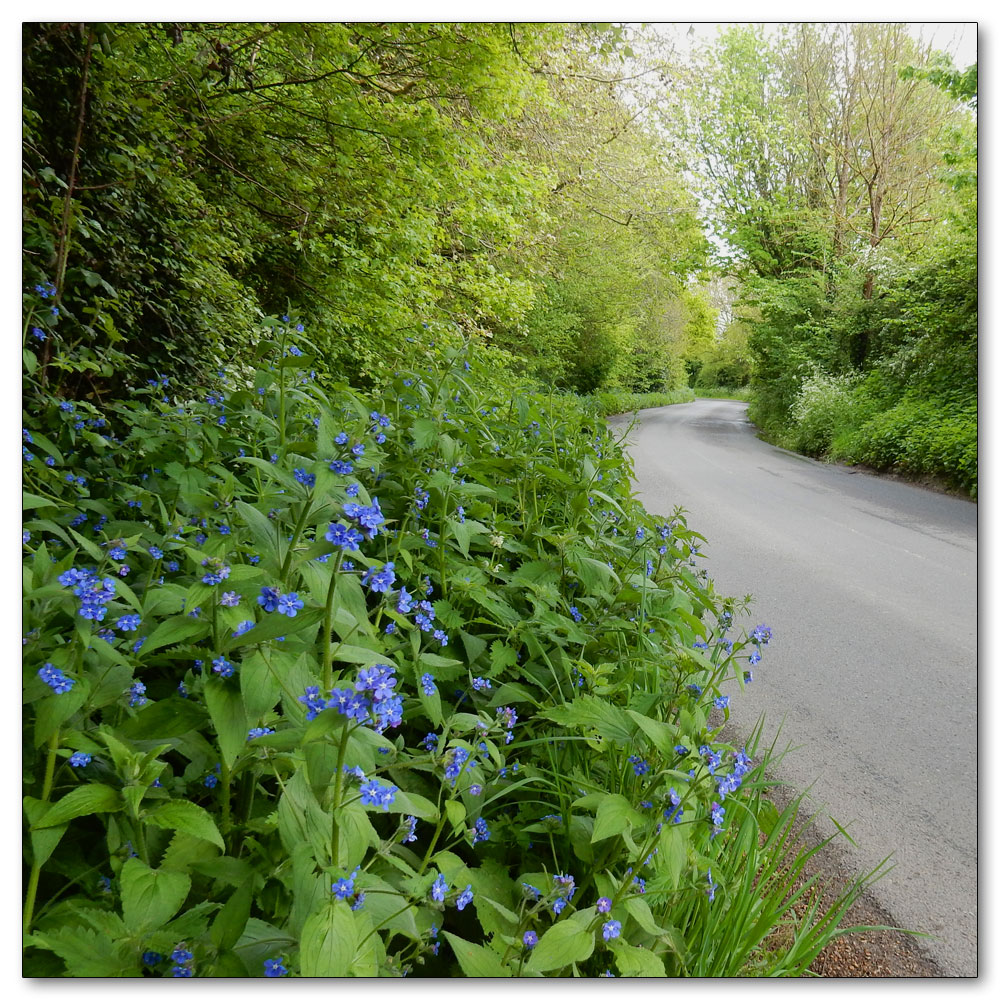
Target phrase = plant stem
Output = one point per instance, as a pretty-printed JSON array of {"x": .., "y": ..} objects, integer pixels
[
  {"x": 36, "y": 868},
  {"x": 338, "y": 792},
  {"x": 328, "y": 625},
  {"x": 299, "y": 525}
]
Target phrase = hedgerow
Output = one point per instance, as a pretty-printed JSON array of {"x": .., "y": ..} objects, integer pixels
[
  {"x": 613, "y": 402},
  {"x": 326, "y": 684}
]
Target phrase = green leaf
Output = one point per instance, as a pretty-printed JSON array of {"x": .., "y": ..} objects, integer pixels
[
  {"x": 261, "y": 941},
  {"x": 54, "y": 709},
  {"x": 431, "y": 704},
  {"x": 165, "y": 718},
  {"x": 425, "y": 432},
  {"x": 327, "y": 721},
  {"x": 411, "y": 804},
  {"x": 258, "y": 684},
  {"x": 273, "y": 625},
  {"x": 225, "y": 706},
  {"x": 590, "y": 713},
  {"x": 82, "y": 801},
  {"x": 180, "y": 814},
  {"x": 172, "y": 631},
  {"x": 636, "y": 962},
  {"x": 662, "y": 736},
  {"x": 31, "y": 501},
  {"x": 231, "y": 920},
  {"x": 301, "y": 818},
  {"x": 455, "y": 812},
  {"x": 87, "y": 953},
  {"x": 476, "y": 961},
  {"x": 561, "y": 945},
  {"x": 614, "y": 816},
  {"x": 264, "y": 531},
  {"x": 329, "y": 940},
  {"x": 43, "y": 841},
  {"x": 149, "y": 897}
]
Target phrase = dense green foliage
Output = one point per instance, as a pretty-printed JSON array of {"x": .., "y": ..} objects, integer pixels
[
  {"x": 184, "y": 180},
  {"x": 844, "y": 180},
  {"x": 210, "y": 790},
  {"x": 348, "y": 649}
]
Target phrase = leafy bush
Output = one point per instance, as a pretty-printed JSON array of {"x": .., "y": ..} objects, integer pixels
[
  {"x": 610, "y": 403},
  {"x": 922, "y": 436},
  {"x": 316, "y": 683},
  {"x": 823, "y": 406}
]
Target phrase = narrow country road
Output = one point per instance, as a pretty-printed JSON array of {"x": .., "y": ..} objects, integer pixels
[{"x": 870, "y": 588}]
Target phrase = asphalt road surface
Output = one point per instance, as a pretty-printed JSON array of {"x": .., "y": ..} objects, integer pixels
[{"x": 869, "y": 586}]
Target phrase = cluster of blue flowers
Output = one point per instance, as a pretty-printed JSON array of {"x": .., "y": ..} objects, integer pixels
[
  {"x": 439, "y": 891},
  {"x": 374, "y": 793},
  {"x": 56, "y": 679},
  {"x": 424, "y": 616},
  {"x": 380, "y": 579},
  {"x": 182, "y": 959},
  {"x": 344, "y": 537},
  {"x": 368, "y": 517},
  {"x": 372, "y": 702},
  {"x": 93, "y": 593},
  {"x": 216, "y": 571},
  {"x": 272, "y": 599}
]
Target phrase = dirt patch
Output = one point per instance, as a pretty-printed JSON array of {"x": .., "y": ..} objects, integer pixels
[{"x": 876, "y": 954}]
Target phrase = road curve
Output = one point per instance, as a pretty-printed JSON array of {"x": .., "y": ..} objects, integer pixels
[{"x": 870, "y": 587}]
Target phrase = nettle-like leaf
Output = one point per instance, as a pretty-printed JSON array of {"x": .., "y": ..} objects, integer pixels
[{"x": 150, "y": 897}]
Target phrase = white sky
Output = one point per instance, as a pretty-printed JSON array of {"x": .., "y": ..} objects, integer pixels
[{"x": 958, "y": 39}]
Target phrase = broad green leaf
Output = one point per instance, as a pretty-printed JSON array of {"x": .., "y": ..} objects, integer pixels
[
  {"x": 31, "y": 501},
  {"x": 87, "y": 953},
  {"x": 172, "y": 631},
  {"x": 150, "y": 897},
  {"x": 264, "y": 532},
  {"x": 165, "y": 718},
  {"x": 225, "y": 706},
  {"x": 662, "y": 736},
  {"x": 82, "y": 801},
  {"x": 476, "y": 961},
  {"x": 614, "y": 816},
  {"x": 431, "y": 704},
  {"x": 54, "y": 709},
  {"x": 231, "y": 920},
  {"x": 180, "y": 814},
  {"x": 258, "y": 684},
  {"x": 411, "y": 804},
  {"x": 301, "y": 818},
  {"x": 673, "y": 855},
  {"x": 357, "y": 835},
  {"x": 636, "y": 962},
  {"x": 328, "y": 721},
  {"x": 273, "y": 625},
  {"x": 329, "y": 940},
  {"x": 587, "y": 712},
  {"x": 455, "y": 812},
  {"x": 261, "y": 941},
  {"x": 639, "y": 910},
  {"x": 43, "y": 841},
  {"x": 561, "y": 945}
]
